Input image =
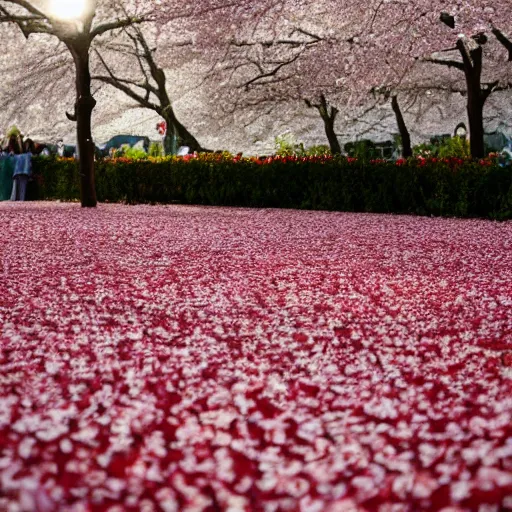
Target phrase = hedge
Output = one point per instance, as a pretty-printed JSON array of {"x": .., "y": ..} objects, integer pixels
[{"x": 446, "y": 187}]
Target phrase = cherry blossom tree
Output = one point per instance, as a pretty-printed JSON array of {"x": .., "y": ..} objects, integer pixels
[
  {"x": 302, "y": 52},
  {"x": 464, "y": 38},
  {"x": 274, "y": 59},
  {"x": 102, "y": 19},
  {"x": 143, "y": 79},
  {"x": 354, "y": 48},
  {"x": 471, "y": 64},
  {"x": 77, "y": 35}
]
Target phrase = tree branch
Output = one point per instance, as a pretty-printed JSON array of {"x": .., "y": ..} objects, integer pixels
[
  {"x": 113, "y": 25},
  {"x": 495, "y": 86},
  {"x": 28, "y": 7},
  {"x": 270, "y": 73},
  {"x": 445, "y": 62},
  {"x": 123, "y": 85},
  {"x": 468, "y": 56},
  {"x": 323, "y": 108},
  {"x": 27, "y": 23},
  {"x": 504, "y": 40},
  {"x": 114, "y": 82}
]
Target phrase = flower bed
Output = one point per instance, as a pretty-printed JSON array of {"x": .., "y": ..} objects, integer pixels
[{"x": 202, "y": 359}]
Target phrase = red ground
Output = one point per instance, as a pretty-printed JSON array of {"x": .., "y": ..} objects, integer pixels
[{"x": 205, "y": 359}]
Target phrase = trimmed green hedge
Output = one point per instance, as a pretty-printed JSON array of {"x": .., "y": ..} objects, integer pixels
[{"x": 448, "y": 187}]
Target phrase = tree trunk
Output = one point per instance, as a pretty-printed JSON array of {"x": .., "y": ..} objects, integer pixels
[
  {"x": 331, "y": 136},
  {"x": 185, "y": 138},
  {"x": 328, "y": 115},
  {"x": 84, "y": 106},
  {"x": 402, "y": 128},
  {"x": 475, "y": 109},
  {"x": 472, "y": 61}
]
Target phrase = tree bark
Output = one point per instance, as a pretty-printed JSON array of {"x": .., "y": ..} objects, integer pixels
[
  {"x": 84, "y": 106},
  {"x": 475, "y": 108},
  {"x": 331, "y": 135},
  {"x": 328, "y": 115},
  {"x": 186, "y": 138},
  {"x": 402, "y": 128},
  {"x": 472, "y": 61},
  {"x": 167, "y": 112}
]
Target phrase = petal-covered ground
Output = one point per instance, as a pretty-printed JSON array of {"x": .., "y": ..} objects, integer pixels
[{"x": 169, "y": 358}]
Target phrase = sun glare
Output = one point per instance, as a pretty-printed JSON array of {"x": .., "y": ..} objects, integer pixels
[{"x": 68, "y": 9}]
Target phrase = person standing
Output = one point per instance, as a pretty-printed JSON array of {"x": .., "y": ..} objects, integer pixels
[
  {"x": 22, "y": 171},
  {"x": 6, "y": 172}
]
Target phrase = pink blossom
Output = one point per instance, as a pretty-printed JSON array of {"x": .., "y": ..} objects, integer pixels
[{"x": 194, "y": 358}]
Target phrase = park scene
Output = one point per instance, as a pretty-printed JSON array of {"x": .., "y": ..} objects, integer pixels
[{"x": 256, "y": 256}]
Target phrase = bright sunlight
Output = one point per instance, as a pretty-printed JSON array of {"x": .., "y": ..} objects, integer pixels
[{"x": 68, "y": 9}]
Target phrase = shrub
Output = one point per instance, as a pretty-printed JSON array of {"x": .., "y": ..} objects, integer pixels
[
  {"x": 456, "y": 147},
  {"x": 135, "y": 153},
  {"x": 156, "y": 149},
  {"x": 425, "y": 150},
  {"x": 361, "y": 149},
  {"x": 444, "y": 147},
  {"x": 319, "y": 150},
  {"x": 433, "y": 186},
  {"x": 285, "y": 145}
]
